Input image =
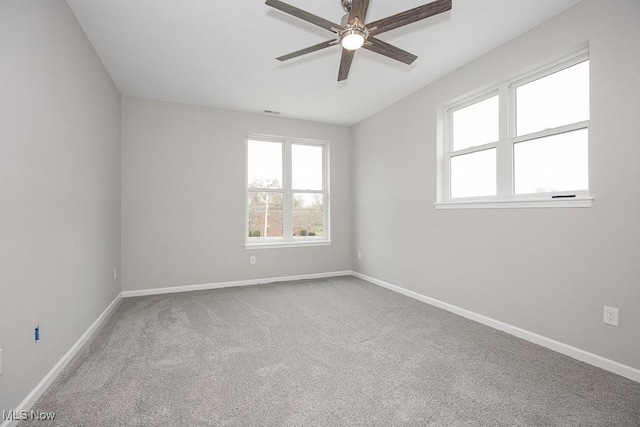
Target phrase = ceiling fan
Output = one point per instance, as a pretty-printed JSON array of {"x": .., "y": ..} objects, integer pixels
[{"x": 354, "y": 33}]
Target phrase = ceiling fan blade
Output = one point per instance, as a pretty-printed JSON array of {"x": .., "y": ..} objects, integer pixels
[
  {"x": 345, "y": 64},
  {"x": 310, "y": 49},
  {"x": 384, "y": 48},
  {"x": 305, "y": 16},
  {"x": 410, "y": 16},
  {"x": 358, "y": 10}
]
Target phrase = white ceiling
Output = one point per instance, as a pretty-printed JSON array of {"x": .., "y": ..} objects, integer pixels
[{"x": 222, "y": 54}]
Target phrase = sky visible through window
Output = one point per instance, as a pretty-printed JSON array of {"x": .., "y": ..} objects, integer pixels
[
  {"x": 265, "y": 165},
  {"x": 476, "y": 124},
  {"x": 306, "y": 167},
  {"x": 474, "y": 174},
  {"x": 555, "y": 163},
  {"x": 555, "y": 100}
]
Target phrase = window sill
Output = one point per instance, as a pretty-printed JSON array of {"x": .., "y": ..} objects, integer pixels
[
  {"x": 279, "y": 245},
  {"x": 519, "y": 203}
]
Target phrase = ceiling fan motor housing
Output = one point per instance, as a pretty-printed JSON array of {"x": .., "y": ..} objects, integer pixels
[{"x": 346, "y": 5}]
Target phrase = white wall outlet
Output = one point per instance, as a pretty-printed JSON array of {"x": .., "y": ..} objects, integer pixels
[
  {"x": 359, "y": 255},
  {"x": 610, "y": 316},
  {"x": 115, "y": 273},
  {"x": 252, "y": 259}
]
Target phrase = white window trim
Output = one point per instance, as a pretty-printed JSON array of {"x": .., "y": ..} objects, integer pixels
[
  {"x": 505, "y": 198},
  {"x": 291, "y": 244},
  {"x": 287, "y": 241},
  {"x": 579, "y": 201}
]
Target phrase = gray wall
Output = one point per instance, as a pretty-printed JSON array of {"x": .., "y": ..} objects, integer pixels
[
  {"x": 183, "y": 197},
  {"x": 549, "y": 271},
  {"x": 59, "y": 189}
]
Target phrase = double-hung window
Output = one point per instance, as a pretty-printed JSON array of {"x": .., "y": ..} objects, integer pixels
[
  {"x": 522, "y": 143},
  {"x": 287, "y": 192}
]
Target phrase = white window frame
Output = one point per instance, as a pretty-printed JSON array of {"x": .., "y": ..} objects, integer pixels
[
  {"x": 288, "y": 240},
  {"x": 505, "y": 197}
]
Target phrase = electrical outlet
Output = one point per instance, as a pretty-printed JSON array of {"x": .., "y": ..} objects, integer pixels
[
  {"x": 610, "y": 316},
  {"x": 36, "y": 334},
  {"x": 252, "y": 260},
  {"x": 115, "y": 273},
  {"x": 359, "y": 255}
]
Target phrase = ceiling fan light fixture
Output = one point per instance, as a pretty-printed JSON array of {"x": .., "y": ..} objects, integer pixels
[{"x": 352, "y": 39}]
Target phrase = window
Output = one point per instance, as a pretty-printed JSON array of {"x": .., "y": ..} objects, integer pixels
[
  {"x": 523, "y": 143},
  {"x": 287, "y": 193}
]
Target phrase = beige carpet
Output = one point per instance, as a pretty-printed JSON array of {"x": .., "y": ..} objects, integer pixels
[{"x": 324, "y": 352}]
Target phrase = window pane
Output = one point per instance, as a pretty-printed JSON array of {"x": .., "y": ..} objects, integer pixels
[
  {"x": 308, "y": 214},
  {"x": 265, "y": 214},
  {"x": 474, "y": 174},
  {"x": 476, "y": 124},
  {"x": 306, "y": 165},
  {"x": 551, "y": 164},
  {"x": 556, "y": 100},
  {"x": 264, "y": 164}
]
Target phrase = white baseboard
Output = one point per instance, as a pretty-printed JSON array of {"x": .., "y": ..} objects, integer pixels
[
  {"x": 219, "y": 285},
  {"x": 37, "y": 391},
  {"x": 576, "y": 353}
]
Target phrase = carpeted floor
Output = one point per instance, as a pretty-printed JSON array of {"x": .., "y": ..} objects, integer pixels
[{"x": 335, "y": 351}]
